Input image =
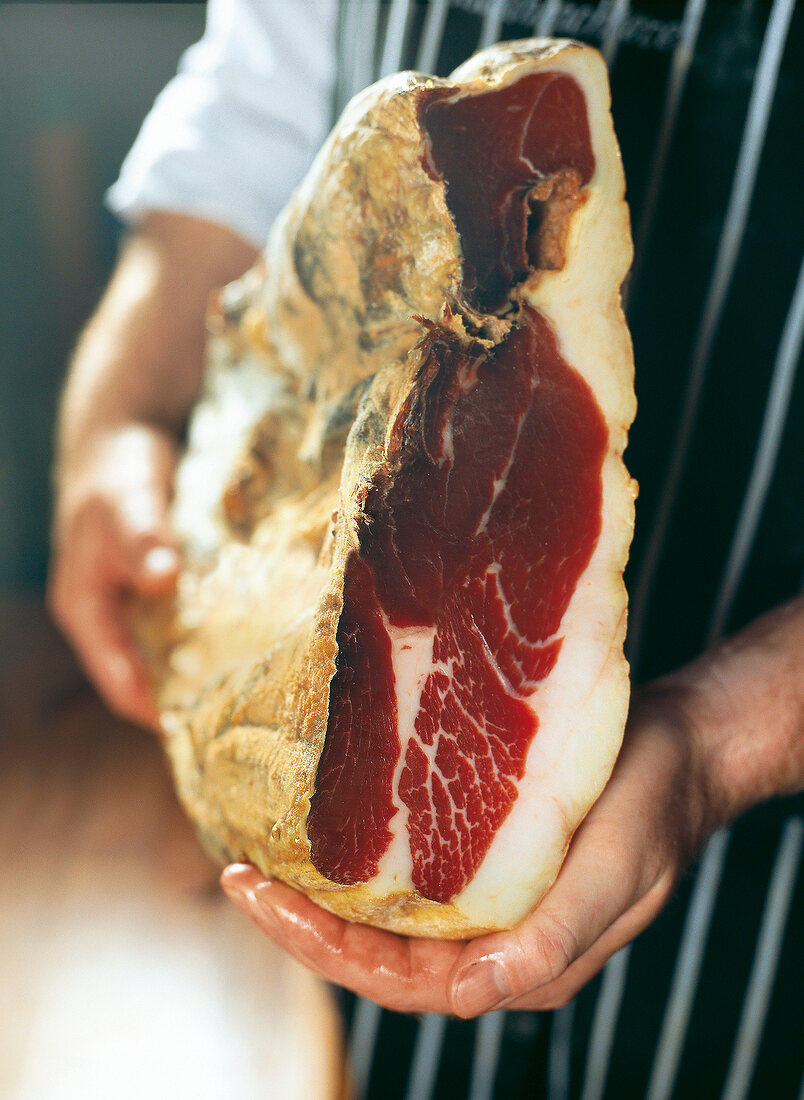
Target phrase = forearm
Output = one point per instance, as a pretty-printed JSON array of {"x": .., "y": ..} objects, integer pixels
[
  {"x": 140, "y": 358},
  {"x": 744, "y": 701},
  {"x": 135, "y": 375}
]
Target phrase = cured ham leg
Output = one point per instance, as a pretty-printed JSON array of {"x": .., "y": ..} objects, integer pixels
[{"x": 393, "y": 674}]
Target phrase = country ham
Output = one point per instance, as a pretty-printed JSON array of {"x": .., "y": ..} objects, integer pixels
[{"x": 393, "y": 673}]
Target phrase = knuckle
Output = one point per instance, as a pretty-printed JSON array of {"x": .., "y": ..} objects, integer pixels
[
  {"x": 556, "y": 998},
  {"x": 556, "y": 946},
  {"x": 656, "y": 895},
  {"x": 89, "y": 511},
  {"x": 140, "y": 541}
]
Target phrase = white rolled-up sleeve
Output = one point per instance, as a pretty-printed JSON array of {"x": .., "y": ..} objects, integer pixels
[{"x": 233, "y": 133}]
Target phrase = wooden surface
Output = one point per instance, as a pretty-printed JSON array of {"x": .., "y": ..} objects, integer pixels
[{"x": 124, "y": 972}]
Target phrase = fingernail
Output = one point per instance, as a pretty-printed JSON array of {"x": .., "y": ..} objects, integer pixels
[
  {"x": 247, "y": 889},
  {"x": 160, "y": 560},
  {"x": 238, "y": 878},
  {"x": 481, "y": 987}
]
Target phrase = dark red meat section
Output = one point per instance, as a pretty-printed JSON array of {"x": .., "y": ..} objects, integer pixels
[
  {"x": 478, "y": 527},
  {"x": 491, "y": 150},
  {"x": 481, "y": 524},
  {"x": 349, "y": 815}
]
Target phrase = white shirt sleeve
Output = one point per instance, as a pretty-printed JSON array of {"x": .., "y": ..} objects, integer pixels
[{"x": 235, "y": 130}]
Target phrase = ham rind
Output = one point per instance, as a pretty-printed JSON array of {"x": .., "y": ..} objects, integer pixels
[{"x": 394, "y": 674}]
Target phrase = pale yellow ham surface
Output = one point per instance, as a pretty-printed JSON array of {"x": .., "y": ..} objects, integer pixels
[{"x": 268, "y": 499}]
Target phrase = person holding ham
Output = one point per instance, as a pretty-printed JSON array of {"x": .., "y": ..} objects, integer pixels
[{"x": 216, "y": 159}]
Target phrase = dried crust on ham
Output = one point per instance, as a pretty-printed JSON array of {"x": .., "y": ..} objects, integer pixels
[{"x": 342, "y": 374}]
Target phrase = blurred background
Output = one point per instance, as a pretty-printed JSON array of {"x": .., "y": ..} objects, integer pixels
[{"x": 76, "y": 80}]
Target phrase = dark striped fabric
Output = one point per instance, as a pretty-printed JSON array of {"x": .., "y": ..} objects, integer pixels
[{"x": 708, "y": 104}]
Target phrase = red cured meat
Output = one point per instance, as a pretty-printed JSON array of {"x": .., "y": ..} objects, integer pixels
[
  {"x": 480, "y": 525},
  {"x": 535, "y": 127},
  {"x": 348, "y": 827}
]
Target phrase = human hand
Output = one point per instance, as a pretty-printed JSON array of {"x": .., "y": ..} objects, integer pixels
[
  {"x": 622, "y": 867},
  {"x": 135, "y": 375},
  {"x": 701, "y": 746},
  {"x": 112, "y": 541}
]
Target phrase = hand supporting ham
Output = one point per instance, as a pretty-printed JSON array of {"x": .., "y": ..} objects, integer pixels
[
  {"x": 135, "y": 374},
  {"x": 701, "y": 746},
  {"x": 113, "y": 541}
]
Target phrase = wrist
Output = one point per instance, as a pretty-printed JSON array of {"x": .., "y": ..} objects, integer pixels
[
  {"x": 140, "y": 358},
  {"x": 109, "y": 449},
  {"x": 742, "y": 704},
  {"x": 662, "y": 709}
]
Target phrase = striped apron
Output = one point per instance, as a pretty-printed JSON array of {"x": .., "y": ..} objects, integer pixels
[{"x": 708, "y": 106}]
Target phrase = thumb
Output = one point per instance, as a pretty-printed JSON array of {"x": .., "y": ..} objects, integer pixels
[
  {"x": 586, "y": 916},
  {"x": 146, "y": 459}
]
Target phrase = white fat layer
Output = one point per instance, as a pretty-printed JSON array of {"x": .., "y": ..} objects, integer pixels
[
  {"x": 581, "y": 706},
  {"x": 412, "y": 659},
  {"x": 564, "y": 761},
  {"x": 568, "y": 758}
]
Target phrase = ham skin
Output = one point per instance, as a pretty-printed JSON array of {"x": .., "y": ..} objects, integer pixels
[{"x": 393, "y": 674}]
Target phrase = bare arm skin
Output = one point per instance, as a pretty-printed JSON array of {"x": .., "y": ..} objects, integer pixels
[
  {"x": 702, "y": 746},
  {"x": 135, "y": 374}
]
